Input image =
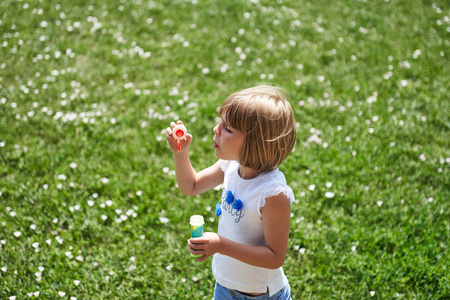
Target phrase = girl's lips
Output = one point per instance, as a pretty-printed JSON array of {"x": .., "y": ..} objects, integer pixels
[{"x": 215, "y": 145}]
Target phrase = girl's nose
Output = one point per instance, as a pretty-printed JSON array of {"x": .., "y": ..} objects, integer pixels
[{"x": 216, "y": 130}]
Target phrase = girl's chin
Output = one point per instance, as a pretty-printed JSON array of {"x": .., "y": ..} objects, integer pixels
[{"x": 219, "y": 154}]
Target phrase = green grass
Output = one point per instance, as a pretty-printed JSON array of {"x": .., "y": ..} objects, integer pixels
[{"x": 96, "y": 84}]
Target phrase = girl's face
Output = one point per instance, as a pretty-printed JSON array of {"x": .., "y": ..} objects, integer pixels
[{"x": 227, "y": 141}]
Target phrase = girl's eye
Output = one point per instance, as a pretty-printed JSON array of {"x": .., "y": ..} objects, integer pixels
[{"x": 228, "y": 130}]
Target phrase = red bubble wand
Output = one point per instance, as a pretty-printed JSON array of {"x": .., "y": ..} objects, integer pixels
[{"x": 179, "y": 133}]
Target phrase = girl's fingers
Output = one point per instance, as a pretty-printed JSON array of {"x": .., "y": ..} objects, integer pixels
[
  {"x": 198, "y": 240},
  {"x": 169, "y": 130}
]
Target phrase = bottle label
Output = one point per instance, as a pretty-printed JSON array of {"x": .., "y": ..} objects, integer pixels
[{"x": 197, "y": 231}]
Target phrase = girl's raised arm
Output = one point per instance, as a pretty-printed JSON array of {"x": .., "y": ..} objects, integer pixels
[
  {"x": 189, "y": 181},
  {"x": 192, "y": 183}
]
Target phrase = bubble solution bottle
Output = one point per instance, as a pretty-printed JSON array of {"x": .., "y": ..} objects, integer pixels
[{"x": 196, "y": 222}]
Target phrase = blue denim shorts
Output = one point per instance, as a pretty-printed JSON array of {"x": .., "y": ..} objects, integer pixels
[{"x": 223, "y": 293}]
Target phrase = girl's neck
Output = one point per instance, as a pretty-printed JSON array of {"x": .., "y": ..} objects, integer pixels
[{"x": 247, "y": 173}]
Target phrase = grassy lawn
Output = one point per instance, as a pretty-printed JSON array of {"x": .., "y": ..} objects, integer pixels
[{"x": 89, "y": 207}]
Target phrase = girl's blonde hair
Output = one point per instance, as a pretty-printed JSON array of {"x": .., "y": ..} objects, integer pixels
[{"x": 263, "y": 114}]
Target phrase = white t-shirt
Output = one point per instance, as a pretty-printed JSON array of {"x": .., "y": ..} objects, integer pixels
[{"x": 245, "y": 226}]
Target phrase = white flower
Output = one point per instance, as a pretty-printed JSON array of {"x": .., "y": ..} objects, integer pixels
[
  {"x": 302, "y": 250},
  {"x": 77, "y": 282},
  {"x": 61, "y": 294},
  {"x": 372, "y": 293},
  {"x": 224, "y": 68},
  {"x": 312, "y": 187},
  {"x": 329, "y": 194},
  {"x": 379, "y": 203},
  {"x": 17, "y": 233},
  {"x": 104, "y": 180},
  {"x": 164, "y": 220}
]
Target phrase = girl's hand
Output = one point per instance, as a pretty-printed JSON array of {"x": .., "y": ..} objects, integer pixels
[
  {"x": 207, "y": 245},
  {"x": 173, "y": 142}
]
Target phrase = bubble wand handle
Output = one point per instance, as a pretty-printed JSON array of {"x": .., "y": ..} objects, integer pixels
[{"x": 179, "y": 133}]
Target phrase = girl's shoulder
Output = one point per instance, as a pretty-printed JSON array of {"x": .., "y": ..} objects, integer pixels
[
  {"x": 275, "y": 184},
  {"x": 276, "y": 188}
]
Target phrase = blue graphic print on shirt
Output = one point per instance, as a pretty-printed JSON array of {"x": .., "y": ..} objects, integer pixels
[{"x": 234, "y": 207}]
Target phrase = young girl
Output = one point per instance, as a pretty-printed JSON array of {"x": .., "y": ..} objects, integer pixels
[{"x": 255, "y": 134}]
